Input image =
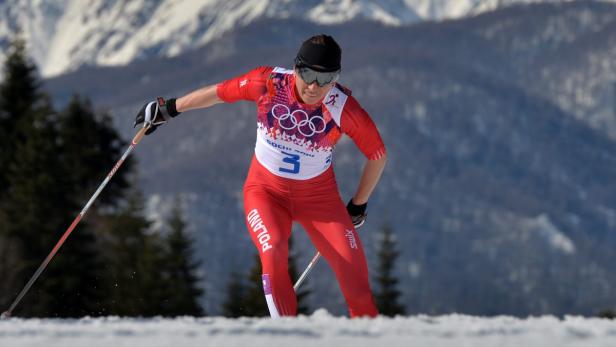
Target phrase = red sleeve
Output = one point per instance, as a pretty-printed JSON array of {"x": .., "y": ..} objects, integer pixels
[
  {"x": 356, "y": 123},
  {"x": 249, "y": 86}
]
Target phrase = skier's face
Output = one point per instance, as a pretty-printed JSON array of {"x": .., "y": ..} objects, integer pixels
[{"x": 311, "y": 93}]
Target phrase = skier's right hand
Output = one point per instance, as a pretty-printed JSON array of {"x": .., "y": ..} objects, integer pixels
[{"x": 156, "y": 113}]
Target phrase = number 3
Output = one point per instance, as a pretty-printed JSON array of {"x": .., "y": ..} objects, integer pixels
[{"x": 290, "y": 159}]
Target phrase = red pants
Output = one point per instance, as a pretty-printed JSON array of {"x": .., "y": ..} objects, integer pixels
[{"x": 272, "y": 203}]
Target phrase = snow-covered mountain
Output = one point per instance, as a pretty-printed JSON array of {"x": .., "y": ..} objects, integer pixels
[{"x": 66, "y": 34}]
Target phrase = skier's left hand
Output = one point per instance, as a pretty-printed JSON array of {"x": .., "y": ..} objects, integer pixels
[{"x": 357, "y": 213}]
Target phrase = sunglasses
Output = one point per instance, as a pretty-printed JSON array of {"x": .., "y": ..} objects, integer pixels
[{"x": 310, "y": 76}]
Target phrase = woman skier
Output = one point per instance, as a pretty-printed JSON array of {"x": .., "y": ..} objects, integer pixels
[{"x": 301, "y": 114}]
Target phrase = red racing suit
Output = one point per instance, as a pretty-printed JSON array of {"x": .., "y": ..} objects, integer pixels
[{"x": 291, "y": 179}]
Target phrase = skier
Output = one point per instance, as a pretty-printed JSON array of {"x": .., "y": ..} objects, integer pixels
[{"x": 301, "y": 114}]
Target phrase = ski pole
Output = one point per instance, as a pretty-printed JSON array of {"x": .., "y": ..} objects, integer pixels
[
  {"x": 41, "y": 268},
  {"x": 309, "y": 268},
  {"x": 301, "y": 278}
]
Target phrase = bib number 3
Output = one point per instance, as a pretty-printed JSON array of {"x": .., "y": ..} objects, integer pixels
[{"x": 293, "y": 160}]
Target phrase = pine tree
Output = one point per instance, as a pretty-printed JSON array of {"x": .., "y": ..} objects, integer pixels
[
  {"x": 41, "y": 206},
  {"x": 179, "y": 269},
  {"x": 233, "y": 306},
  {"x": 387, "y": 295},
  {"x": 10, "y": 259},
  {"x": 134, "y": 259},
  {"x": 38, "y": 200},
  {"x": 303, "y": 292},
  {"x": 254, "y": 303},
  {"x": 19, "y": 93},
  {"x": 90, "y": 147}
]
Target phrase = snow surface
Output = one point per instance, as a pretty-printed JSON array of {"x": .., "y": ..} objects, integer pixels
[{"x": 319, "y": 329}]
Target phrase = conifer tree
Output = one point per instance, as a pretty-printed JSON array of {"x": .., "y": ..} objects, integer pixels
[
  {"x": 134, "y": 259},
  {"x": 50, "y": 164},
  {"x": 233, "y": 306},
  {"x": 90, "y": 147},
  {"x": 19, "y": 93},
  {"x": 38, "y": 200},
  {"x": 254, "y": 303},
  {"x": 303, "y": 291},
  {"x": 41, "y": 206},
  {"x": 181, "y": 281},
  {"x": 387, "y": 294},
  {"x": 9, "y": 262}
]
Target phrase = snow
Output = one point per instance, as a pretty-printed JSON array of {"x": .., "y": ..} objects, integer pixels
[
  {"x": 65, "y": 34},
  {"x": 554, "y": 237},
  {"x": 319, "y": 329},
  {"x": 392, "y": 12},
  {"x": 451, "y": 9}
]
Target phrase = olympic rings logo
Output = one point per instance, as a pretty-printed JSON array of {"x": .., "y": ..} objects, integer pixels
[{"x": 289, "y": 120}]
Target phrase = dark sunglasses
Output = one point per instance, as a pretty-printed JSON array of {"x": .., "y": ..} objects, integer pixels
[{"x": 310, "y": 76}]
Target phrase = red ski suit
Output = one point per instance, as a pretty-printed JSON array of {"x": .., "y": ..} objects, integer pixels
[{"x": 291, "y": 179}]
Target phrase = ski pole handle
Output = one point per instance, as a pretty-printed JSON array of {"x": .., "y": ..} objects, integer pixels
[{"x": 140, "y": 134}]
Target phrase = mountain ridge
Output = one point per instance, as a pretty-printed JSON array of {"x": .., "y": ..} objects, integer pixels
[{"x": 65, "y": 35}]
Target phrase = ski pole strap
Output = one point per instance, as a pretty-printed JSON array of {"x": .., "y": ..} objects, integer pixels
[
  {"x": 167, "y": 108},
  {"x": 162, "y": 107}
]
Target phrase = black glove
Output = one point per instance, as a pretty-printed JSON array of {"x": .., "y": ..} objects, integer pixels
[
  {"x": 156, "y": 113},
  {"x": 357, "y": 213}
]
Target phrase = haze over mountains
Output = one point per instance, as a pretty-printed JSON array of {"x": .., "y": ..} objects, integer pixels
[{"x": 500, "y": 130}]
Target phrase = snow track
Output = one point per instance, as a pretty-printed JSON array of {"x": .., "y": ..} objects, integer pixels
[{"x": 319, "y": 329}]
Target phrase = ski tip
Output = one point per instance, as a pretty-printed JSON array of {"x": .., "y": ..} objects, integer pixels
[{"x": 5, "y": 315}]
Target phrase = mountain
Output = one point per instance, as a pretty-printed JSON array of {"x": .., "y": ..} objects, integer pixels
[
  {"x": 67, "y": 34},
  {"x": 500, "y": 182}
]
